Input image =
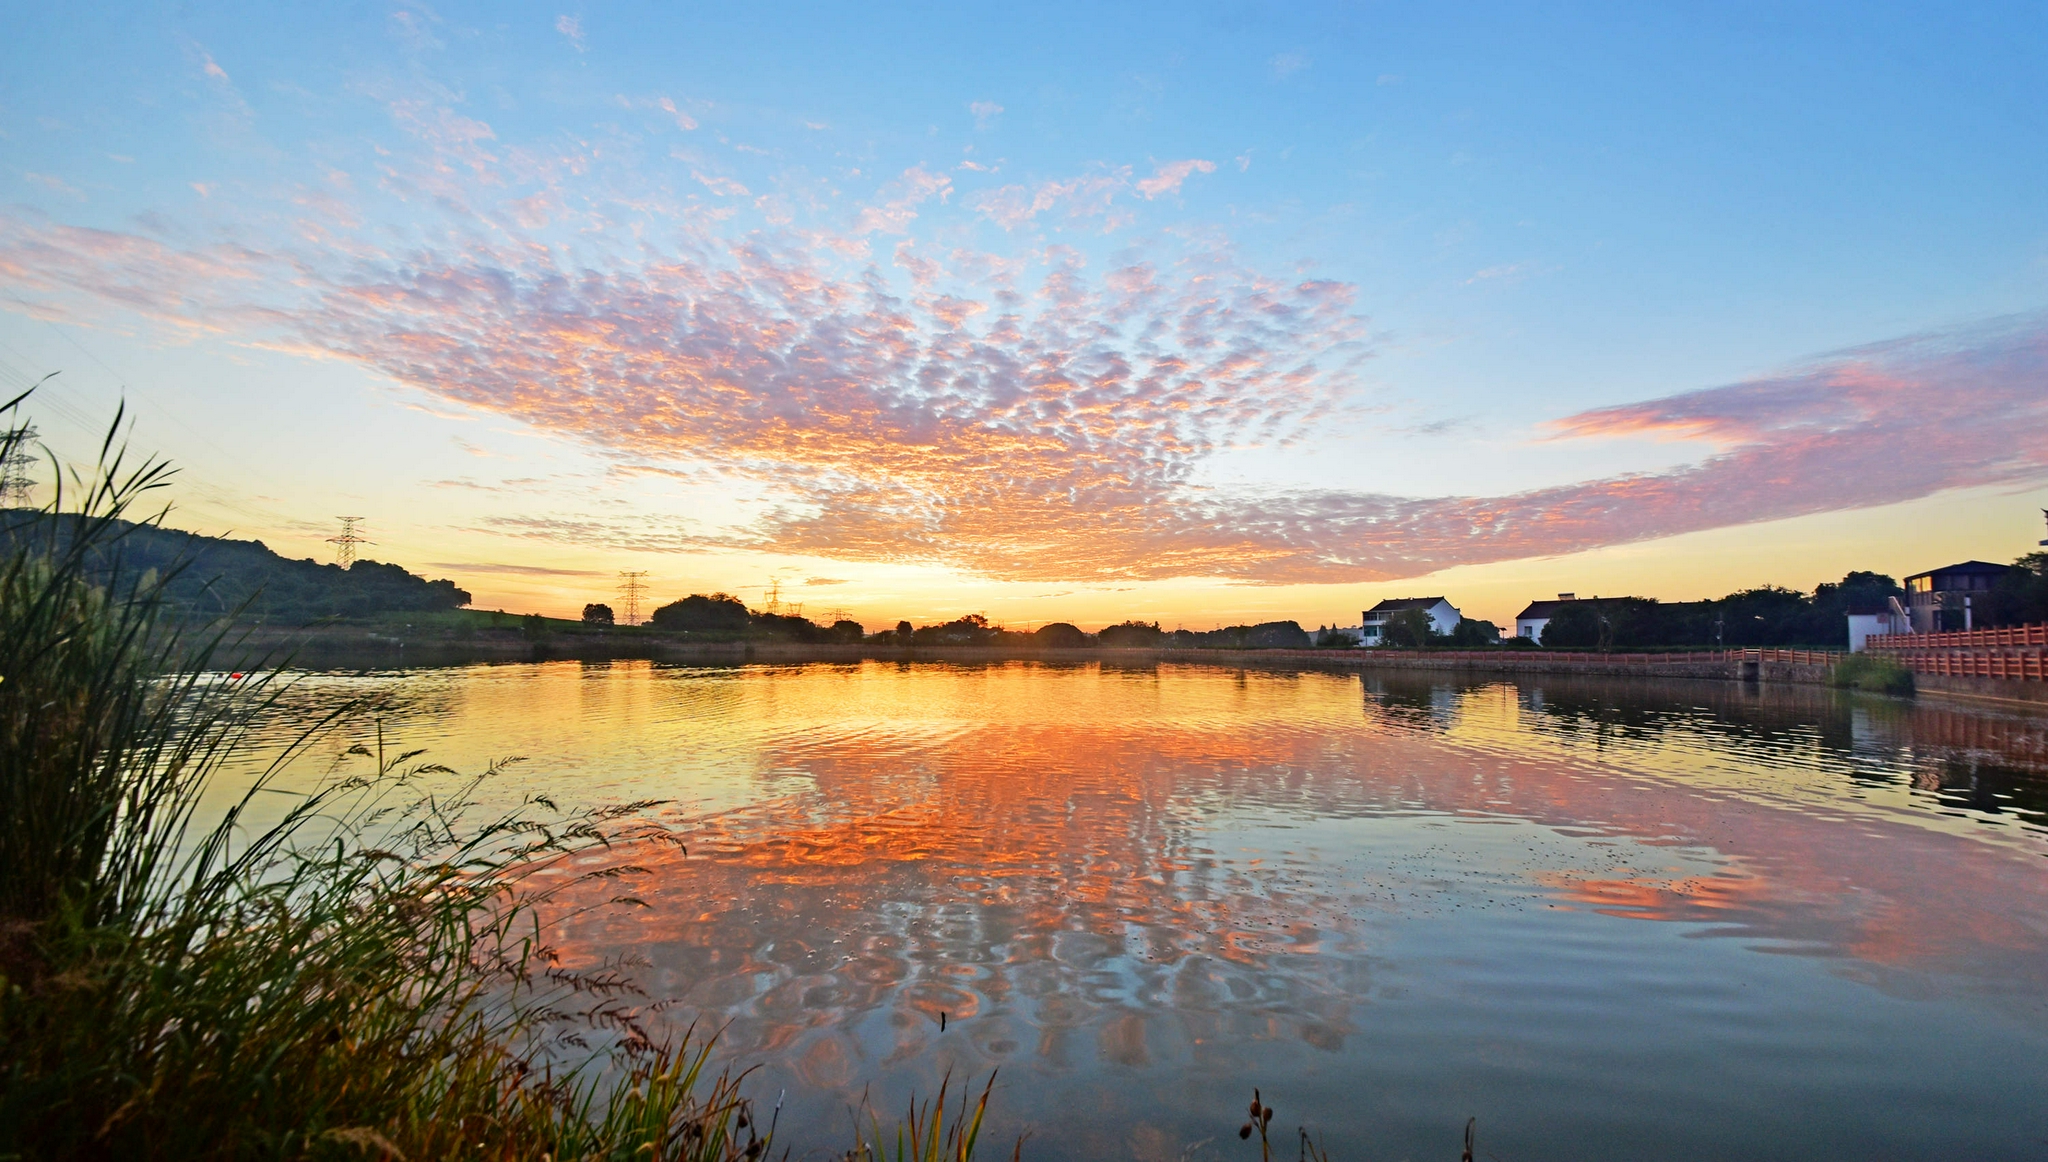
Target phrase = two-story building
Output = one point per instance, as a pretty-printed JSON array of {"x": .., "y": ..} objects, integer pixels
[
  {"x": 1941, "y": 600},
  {"x": 1443, "y": 617}
]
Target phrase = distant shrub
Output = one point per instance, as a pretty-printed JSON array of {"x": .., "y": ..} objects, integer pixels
[
  {"x": 1879, "y": 675},
  {"x": 597, "y": 613}
]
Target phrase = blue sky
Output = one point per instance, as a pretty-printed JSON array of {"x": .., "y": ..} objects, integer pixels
[{"x": 1442, "y": 240}]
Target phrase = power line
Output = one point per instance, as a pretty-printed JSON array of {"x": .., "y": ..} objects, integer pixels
[
  {"x": 345, "y": 544},
  {"x": 630, "y": 590}
]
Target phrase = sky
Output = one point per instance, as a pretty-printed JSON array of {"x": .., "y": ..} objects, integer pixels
[{"x": 1201, "y": 314}]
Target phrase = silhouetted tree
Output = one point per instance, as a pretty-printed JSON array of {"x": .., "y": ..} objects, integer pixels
[
  {"x": 905, "y": 632},
  {"x": 597, "y": 613},
  {"x": 718, "y": 613},
  {"x": 1277, "y": 635},
  {"x": 1129, "y": 635},
  {"x": 1574, "y": 627},
  {"x": 1060, "y": 636},
  {"x": 848, "y": 631},
  {"x": 973, "y": 629},
  {"x": 2019, "y": 597}
]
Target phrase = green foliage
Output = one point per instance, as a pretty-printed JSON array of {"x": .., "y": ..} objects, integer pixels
[
  {"x": 1475, "y": 632},
  {"x": 2019, "y": 596},
  {"x": 1130, "y": 635},
  {"x": 1576, "y": 626},
  {"x": 1266, "y": 635},
  {"x": 1765, "y": 616},
  {"x": 926, "y": 1134},
  {"x": 1060, "y": 636},
  {"x": 717, "y": 614},
  {"x": 1871, "y": 672},
  {"x": 1408, "y": 629}
]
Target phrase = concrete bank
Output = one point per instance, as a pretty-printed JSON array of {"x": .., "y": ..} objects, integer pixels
[{"x": 1982, "y": 689}]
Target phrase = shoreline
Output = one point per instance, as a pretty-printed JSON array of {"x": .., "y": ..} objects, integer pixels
[{"x": 354, "y": 647}]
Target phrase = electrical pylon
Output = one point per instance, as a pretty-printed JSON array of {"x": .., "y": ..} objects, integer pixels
[
  {"x": 345, "y": 544},
  {"x": 630, "y": 589},
  {"x": 17, "y": 467}
]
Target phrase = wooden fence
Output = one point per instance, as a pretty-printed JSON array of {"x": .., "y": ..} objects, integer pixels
[{"x": 2017, "y": 652}]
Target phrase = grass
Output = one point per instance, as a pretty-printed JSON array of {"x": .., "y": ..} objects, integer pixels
[
  {"x": 362, "y": 979},
  {"x": 1879, "y": 675}
]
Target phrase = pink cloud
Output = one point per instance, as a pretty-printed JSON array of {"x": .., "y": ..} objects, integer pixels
[
  {"x": 1021, "y": 415},
  {"x": 913, "y": 188},
  {"x": 1167, "y": 178}
]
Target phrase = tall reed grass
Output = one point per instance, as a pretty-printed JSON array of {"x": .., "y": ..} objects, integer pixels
[{"x": 362, "y": 978}]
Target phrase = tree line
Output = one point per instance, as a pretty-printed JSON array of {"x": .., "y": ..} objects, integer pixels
[{"x": 1764, "y": 616}]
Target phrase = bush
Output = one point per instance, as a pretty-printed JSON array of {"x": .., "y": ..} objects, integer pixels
[
  {"x": 597, "y": 613},
  {"x": 1872, "y": 672}
]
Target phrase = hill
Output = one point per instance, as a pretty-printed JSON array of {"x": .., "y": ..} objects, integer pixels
[{"x": 221, "y": 576}]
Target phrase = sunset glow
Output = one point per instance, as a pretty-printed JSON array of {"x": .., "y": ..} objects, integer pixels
[{"x": 1193, "y": 322}]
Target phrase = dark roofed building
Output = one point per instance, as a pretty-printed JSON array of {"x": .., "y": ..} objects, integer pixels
[
  {"x": 1942, "y": 599},
  {"x": 1443, "y": 616},
  {"x": 1530, "y": 622}
]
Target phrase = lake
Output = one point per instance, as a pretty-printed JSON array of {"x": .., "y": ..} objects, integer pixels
[{"x": 1607, "y": 918}]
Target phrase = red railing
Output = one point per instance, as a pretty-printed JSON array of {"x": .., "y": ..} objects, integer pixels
[
  {"x": 1966, "y": 639},
  {"x": 2018, "y": 652},
  {"x": 2030, "y": 666},
  {"x": 1692, "y": 657}
]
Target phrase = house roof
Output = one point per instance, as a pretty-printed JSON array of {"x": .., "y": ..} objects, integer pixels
[
  {"x": 1394, "y": 604},
  {"x": 1539, "y": 609},
  {"x": 1968, "y": 568}
]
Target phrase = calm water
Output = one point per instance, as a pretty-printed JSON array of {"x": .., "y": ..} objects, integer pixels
[{"x": 1610, "y": 920}]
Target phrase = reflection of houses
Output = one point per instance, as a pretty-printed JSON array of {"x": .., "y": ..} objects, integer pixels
[
  {"x": 1443, "y": 616},
  {"x": 1941, "y": 600}
]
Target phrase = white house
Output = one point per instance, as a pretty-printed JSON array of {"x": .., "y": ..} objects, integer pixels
[
  {"x": 1443, "y": 616},
  {"x": 1866, "y": 622},
  {"x": 1530, "y": 622}
]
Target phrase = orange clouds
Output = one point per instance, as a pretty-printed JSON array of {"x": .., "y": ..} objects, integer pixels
[{"x": 1020, "y": 416}]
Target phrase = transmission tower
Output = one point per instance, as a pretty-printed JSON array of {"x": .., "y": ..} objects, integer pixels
[
  {"x": 774, "y": 596},
  {"x": 345, "y": 544},
  {"x": 17, "y": 467},
  {"x": 630, "y": 589}
]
